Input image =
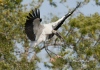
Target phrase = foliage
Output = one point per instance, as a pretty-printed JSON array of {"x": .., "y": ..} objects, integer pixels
[
  {"x": 11, "y": 30},
  {"x": 81, "y": 34}
]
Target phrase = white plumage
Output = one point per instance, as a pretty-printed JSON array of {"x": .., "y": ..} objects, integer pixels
[{"x": 37, "y": 32}]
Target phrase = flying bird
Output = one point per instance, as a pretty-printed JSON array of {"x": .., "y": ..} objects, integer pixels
[{"x": 38, "y": 32}]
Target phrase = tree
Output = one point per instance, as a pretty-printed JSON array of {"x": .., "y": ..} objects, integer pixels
[
  {"x": 11, "y": 31},
  {"x": 83, "y": 38}
]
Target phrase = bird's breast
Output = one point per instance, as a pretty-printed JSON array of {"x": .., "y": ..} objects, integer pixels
[{"x": 47, "y": 29}]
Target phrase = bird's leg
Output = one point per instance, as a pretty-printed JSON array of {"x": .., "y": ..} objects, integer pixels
[
  {"x": 46, "y": 49},
  {"x": 47, "y": 52},
  {"x": 51, "y": 59},
  {"x": 58, "y": 56},
  {"x": 51, "y": 51}
]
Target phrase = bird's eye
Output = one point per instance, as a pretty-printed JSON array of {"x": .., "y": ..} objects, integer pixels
[{"x": 40, "y": 19}]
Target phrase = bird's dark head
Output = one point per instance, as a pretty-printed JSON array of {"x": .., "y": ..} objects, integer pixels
[{"x": 40, "y": 19}]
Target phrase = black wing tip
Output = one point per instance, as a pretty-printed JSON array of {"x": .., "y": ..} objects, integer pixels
[
  {"x": 78, "y": 4},
  {"x": 35, "y": 14},
  {"x": 29, "y": 23}
]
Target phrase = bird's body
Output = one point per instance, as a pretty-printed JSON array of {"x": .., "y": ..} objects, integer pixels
[
  {"x": 42, "y": 32},
  {"x": 37, "y": 32}
]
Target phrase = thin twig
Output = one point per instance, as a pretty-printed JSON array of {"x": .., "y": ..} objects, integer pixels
[
  {"x": 69, "y": 31},
  {"x": 97, "y": 41},
  {"x": 2, "y": 33},
  {"x": 79, "y": 39}
]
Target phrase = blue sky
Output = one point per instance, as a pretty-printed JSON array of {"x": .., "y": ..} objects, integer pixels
[{"x": 60, "y": 10}]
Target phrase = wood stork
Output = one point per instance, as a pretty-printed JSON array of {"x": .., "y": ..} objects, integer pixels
[{"x": 37, "y": 32}]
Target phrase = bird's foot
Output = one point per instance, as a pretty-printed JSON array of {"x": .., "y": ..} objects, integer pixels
[
  {"x": 58, "y": 56},
  {"x": 52, "y": 59}
]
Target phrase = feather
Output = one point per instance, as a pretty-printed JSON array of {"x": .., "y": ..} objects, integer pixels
[
  {"x": 30, "y": 15},
  {"x": 29, "y": 24},
  {"x": 38, "y": 13},
  {"x": 33, "y": 13}
]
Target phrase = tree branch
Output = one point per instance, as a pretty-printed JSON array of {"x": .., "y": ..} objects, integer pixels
[{"x": 97, "y": 41}]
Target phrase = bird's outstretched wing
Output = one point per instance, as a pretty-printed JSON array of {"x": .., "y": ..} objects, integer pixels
[
  {"x": 29, "y": 24},
  {"x": 58, "y": 23},
  {"x": 66, "y": 16}
]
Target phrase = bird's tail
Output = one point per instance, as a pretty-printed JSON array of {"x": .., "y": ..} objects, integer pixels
[{"x": 32, "y": 44}]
